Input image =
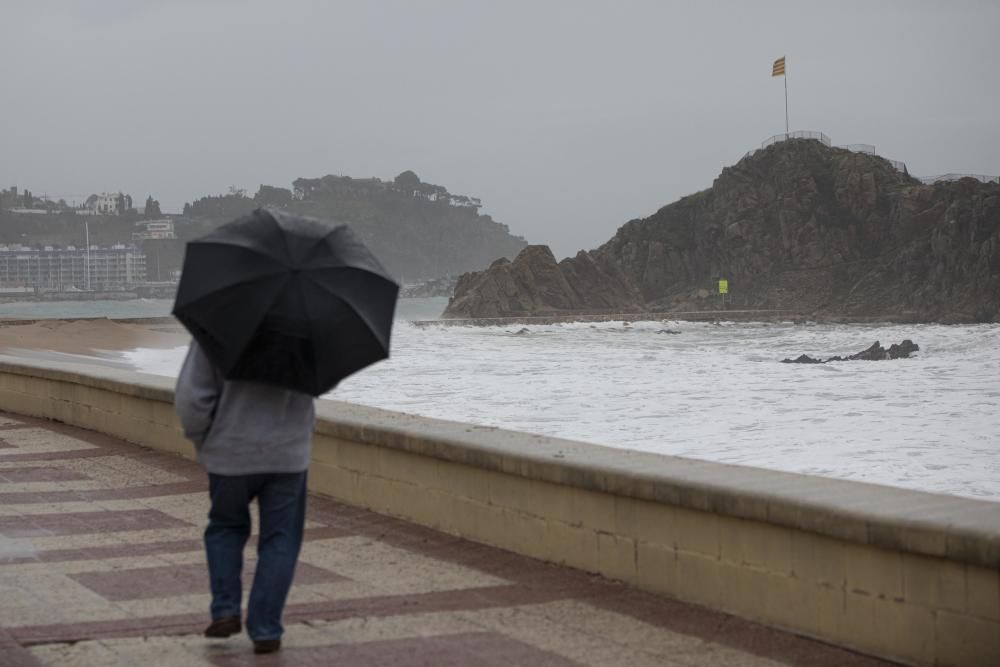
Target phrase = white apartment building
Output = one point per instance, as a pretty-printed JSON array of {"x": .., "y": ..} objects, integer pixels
[{"x": 119, "y": 267}]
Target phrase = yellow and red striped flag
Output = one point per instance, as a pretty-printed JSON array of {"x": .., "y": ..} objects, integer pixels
[{"x": 778, "y": 69}]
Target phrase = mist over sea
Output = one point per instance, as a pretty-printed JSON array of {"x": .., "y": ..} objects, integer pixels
[{"x": 708, "y": 391}]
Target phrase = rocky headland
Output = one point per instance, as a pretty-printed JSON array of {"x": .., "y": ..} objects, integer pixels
[{"x": 824, "y": 232}]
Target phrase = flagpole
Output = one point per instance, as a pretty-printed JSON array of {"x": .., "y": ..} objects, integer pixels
[{"x": 786, "y": 101}]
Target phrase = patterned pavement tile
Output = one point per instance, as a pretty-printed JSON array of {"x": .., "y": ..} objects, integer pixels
[
  {"x": 116, "y": 540},
  {"x": 587, "y": 623},
  {"x": 598, "y": 637},
  {"x": 361, "y": 629},
  {"x": 47, "y": 599},
  {"x": 153, "y": 651},
  {"x": 59, "y": 455},
  {"x": 38, "y": 474},
  {"x": 29, "y": 568},
  {"x": 97, "y": 495},
  {"x": 15, "y": 655},
  {"x": 457, "y": 650},
  {"x": 89, "y": 474},
  {"x": 86, "y": 523},
  {"x": 40, "y": 441},
  {"x": 56, "y": 555},
  {"x": 70, "y": 507},
  {"x": 170, "y": 580},
  {"x": 389, "y": 570}
]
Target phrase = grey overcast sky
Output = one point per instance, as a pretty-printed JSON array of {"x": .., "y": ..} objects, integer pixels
[{"x": 567, "y": 117}]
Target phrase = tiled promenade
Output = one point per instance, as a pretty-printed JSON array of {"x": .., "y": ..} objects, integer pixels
[{"x": 101, "y": 564}]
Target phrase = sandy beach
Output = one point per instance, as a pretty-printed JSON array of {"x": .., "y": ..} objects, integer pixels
[{"x": 97, "y": 340}]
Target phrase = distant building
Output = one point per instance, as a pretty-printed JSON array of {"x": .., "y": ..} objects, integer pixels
[
  {"x": 26, "y": 203},
  {"x": 119, "y": 267},
  {"x": 154, "y": 229},
  {"x": 30, "y": 211},
  {"x": 115, "y": 203}
]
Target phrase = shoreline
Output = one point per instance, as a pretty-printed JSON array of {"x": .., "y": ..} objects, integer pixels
[
  {"x": 771, "y": 316},
  {"x": 95, "y": 340}
]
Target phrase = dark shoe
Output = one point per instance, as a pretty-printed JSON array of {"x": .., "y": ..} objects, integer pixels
[
  {"x": 266, "y": 645},
  {"x": 224, "y": 627}
]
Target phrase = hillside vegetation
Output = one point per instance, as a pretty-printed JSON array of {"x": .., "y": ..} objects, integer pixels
[{"x": 418, "y": 230}]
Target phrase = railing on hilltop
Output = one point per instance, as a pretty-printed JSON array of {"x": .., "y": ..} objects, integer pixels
[
  {"x": 785, "y": 136},
  {"x": 955, "y": 177},
  {"x": 867, "y": 149},
  {"x": 800, "y": 134}
]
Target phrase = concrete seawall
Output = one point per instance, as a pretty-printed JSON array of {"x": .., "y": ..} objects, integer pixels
[{"x": 901, "y": 574}]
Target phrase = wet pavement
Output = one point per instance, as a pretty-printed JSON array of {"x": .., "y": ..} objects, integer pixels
[{"x": 101, "y": 563}]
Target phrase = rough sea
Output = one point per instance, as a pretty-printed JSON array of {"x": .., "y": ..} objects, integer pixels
[{"x": 701, "y": 390}]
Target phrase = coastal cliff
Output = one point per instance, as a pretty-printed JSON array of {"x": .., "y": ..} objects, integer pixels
[{"x": 797, "y": 226}]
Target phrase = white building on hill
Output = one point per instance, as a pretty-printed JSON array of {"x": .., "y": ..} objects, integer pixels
[{"x": 114, "y": 203}]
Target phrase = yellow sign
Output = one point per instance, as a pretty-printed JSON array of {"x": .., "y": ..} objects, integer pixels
[{"x": 723, "y": 287}]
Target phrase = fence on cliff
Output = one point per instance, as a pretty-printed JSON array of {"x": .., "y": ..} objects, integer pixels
[
  {"x": 983, "y": 178},
  {"x": 821, "y": 137},
  {"x": 785, "y": 136}
]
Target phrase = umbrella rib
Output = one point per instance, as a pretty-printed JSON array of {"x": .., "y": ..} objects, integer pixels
[
  {"x": 207, "y": 295},
  {"x": 277, "y": 295},
  {"x": 284, "y": 239},
  {"x": 367, "y": 321},
  {"x": 274, "y": 300},
  {"x": 279, "y": 267},
  {"x": 320, "y": 240},
  {"x": 276, "y": 272}
]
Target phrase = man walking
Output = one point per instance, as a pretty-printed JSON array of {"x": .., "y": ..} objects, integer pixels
[{"x": 254, "y": 440}]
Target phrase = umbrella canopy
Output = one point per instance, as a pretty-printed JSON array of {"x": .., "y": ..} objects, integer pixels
[{"x": 287, "y": 300}]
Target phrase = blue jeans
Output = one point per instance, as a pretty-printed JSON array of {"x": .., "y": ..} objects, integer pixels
[{"x": 281, "y": 498}]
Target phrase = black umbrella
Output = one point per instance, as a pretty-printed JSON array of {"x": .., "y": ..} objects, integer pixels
[{"x": 287, "y": 300}]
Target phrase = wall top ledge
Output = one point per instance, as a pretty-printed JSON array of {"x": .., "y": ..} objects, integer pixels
[{"x": 957, "y": 528}]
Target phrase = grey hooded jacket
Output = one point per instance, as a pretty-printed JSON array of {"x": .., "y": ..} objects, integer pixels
[{"x": 242, "y": 428}]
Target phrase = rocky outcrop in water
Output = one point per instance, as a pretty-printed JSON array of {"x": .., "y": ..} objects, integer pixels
[
  {"x": 535, "y": 284},
  {"x": 799, "y": 226},
  {"x": 876, "y": 352}
]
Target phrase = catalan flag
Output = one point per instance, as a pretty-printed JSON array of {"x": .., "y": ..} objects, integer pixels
[{"x": 778, "y": 69}]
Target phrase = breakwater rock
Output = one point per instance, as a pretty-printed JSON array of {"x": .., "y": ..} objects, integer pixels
[
  {"x": 799, "y": 226},
  {"x": 535, "y": 284},
  {"x": 874, "y": 353}
]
